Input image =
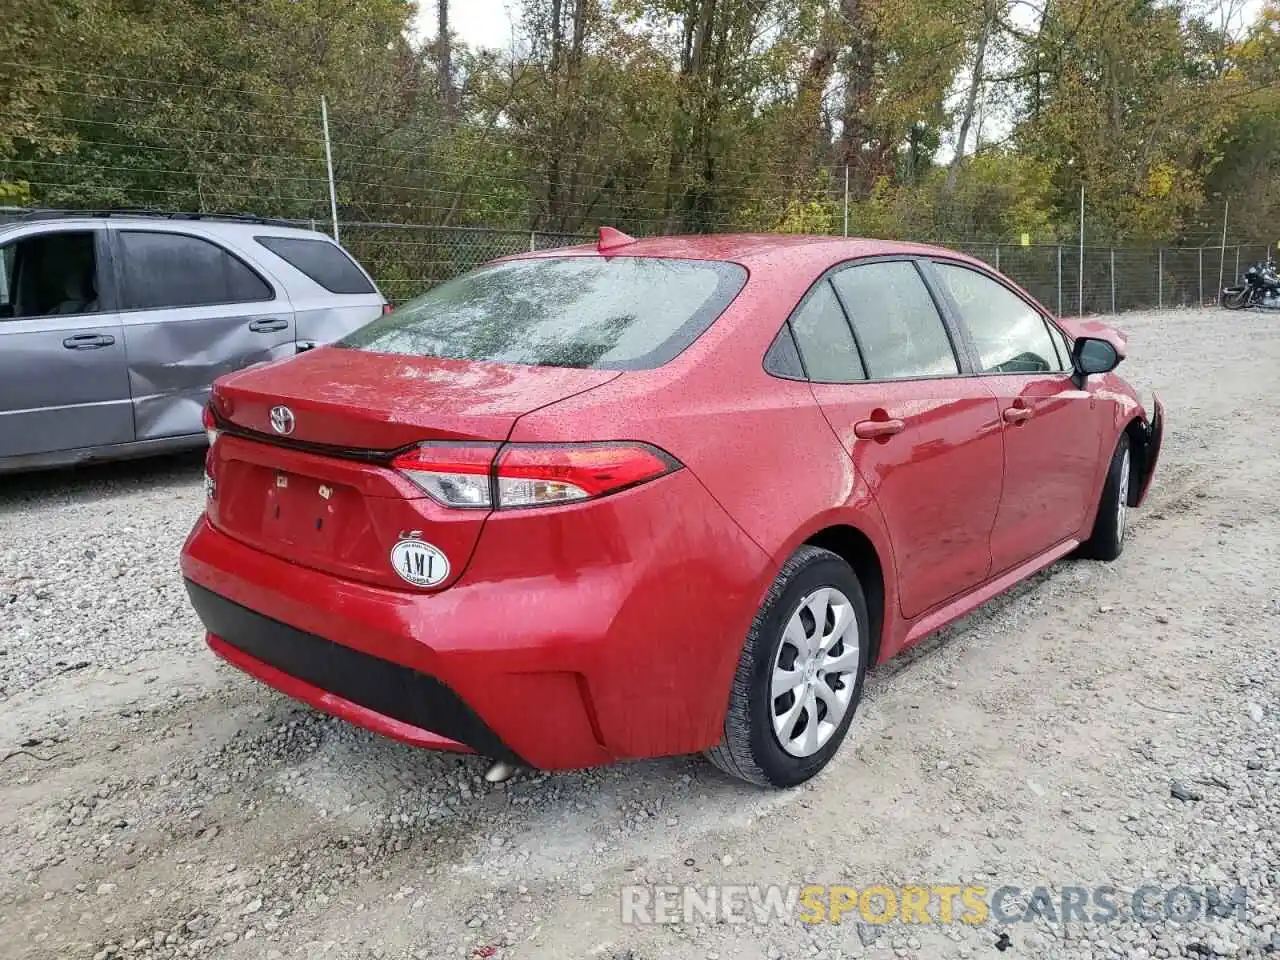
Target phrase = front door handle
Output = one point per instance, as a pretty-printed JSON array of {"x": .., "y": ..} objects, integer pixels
[
  {"x": 269, "y": 326},
  {"x": 89, "y": 341},
  {"x": 876, "y": 429},
  {"x": 1017, "y": 414}
]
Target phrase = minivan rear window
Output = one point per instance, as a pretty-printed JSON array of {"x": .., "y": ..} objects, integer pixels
[
  {"x": 324, "y": 262},
  {"x": 624, "y": 313}
]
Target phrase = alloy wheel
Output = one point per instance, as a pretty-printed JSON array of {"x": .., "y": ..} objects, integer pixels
[{"x": 814, "y": 672}]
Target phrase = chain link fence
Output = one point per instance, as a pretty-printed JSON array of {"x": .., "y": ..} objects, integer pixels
[{"x": 408, "y": 259}]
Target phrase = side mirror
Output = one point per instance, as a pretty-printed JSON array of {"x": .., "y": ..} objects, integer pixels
[{"x": 1092, "y": 355}]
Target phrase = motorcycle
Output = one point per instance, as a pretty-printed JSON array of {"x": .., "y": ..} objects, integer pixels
[{"x": 1261, "y": 288}]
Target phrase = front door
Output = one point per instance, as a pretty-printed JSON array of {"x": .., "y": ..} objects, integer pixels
[
  {"x": 926, "y": 440},
  {"x": 192, "y": 311},
  {"x": 1050, "y": 425},
  {"x": 63, "y": 374}
]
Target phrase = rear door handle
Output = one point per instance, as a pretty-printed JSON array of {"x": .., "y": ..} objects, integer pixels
[
  {"x": 1017, "y": 414},
  {"x": 89, "y": 341},
  {"x": 269, "y": 326},
  {"x": 875, "y": 429}
]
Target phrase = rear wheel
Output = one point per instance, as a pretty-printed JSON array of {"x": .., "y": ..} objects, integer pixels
[
  {"x": 800, "y": 675},
  {"x": 1107, "y": 539},
  {"x": 1235, "y": 299}
]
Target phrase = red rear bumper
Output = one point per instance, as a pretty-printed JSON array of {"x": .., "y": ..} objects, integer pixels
[{"x": 578, "y": 636}]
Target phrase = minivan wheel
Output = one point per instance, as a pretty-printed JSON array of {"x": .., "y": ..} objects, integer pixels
[
  {"x": 1109, "y": 529},
  {"x": 800, "y": 675}
]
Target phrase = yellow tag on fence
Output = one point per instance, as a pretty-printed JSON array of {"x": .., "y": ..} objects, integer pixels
[{"x": 1026, "y": 239}]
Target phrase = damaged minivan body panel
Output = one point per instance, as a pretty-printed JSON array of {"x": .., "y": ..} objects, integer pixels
[{"x": 174, "y": 361}]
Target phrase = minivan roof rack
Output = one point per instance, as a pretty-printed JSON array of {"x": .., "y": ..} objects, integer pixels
[{"x": 33, "y": 213}]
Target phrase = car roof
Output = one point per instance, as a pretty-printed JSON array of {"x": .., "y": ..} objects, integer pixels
[
  {"x": 178, "y": 223},
  {"x": 759, "y": 249}
]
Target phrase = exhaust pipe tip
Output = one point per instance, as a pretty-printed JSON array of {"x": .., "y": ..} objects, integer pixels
[{"x": 500, "y": 772}]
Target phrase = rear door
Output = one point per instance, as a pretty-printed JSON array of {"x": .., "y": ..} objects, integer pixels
[
  {"x": 63, "y": 377},
  {"x": 924, "y": 438},
  {"x": 1051, "y": 426},
  {"x": 192, "y": 311}
]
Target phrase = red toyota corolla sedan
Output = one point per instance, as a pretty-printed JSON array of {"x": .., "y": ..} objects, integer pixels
[{"x": 656, "y": 497}]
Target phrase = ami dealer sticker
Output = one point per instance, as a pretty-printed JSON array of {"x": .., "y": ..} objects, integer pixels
[{"x": 419, "y": 563}]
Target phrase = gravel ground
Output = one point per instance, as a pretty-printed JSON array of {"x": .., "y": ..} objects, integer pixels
[{"x": 1101, "y": 725}]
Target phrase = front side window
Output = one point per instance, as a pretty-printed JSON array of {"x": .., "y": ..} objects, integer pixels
[
  {"x": 50, "y": 274},
  {"x": 898, "y": 327},
  {"x": 7, "y": 254},
  {"x": 176, "y": 270},
  {"x": 1063, "y": 346},
  {"x": 620, "y": 313},
  {"x": 1011, "y": 335}
]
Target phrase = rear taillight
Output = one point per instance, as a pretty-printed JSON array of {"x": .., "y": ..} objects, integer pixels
[
  {"x": 533, "y": 475},
  {"x": 456, "y": 474},
  {"x": 210, "y": 431},
  {"x": 386, "y": 308},
  {"x": 530, "y": 475},
  {"x": 210, "y": 425}
]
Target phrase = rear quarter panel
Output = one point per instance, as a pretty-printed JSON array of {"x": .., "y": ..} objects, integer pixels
[{"x": 322, "y": 320}]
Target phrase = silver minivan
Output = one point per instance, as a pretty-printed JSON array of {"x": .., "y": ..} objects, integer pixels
[{"x": 114, "y": 326}]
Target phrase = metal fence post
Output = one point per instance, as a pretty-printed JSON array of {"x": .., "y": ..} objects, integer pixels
[
  {"x": 1059, "y": 279},
  {"x": 1160, "y": 278},
  {"x": 1113, "y": 279},
  {"x": 1237, "y": 276},
  {"x": 997, "y": 256},
  {"x": 533, "y": 241},
  {"x": 1200, "y": 251},
  {"x": 846, "y": 199},
  {"x": 328, "y": 163}
]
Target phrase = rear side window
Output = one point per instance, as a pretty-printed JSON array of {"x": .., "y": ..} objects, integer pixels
[
  {"x": 176, "y": 270},
  {"x": 624, "y": 313},
  {"x": 899, "y": 329},
  {"x": 324, "y": 262},
  {"x": 1009, "y": 333},
  {"x": 824, "y": 338},
  {"x": 783, "y": 358}
]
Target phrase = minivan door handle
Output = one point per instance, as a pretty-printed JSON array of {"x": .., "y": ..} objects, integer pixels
[
  {"x": 89, "y": 341},
  {"x": 270, "y": 325},
  {"x": 1017, "y": 414}
]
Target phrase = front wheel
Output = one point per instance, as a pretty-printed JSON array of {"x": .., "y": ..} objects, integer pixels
[
  {"x": 800, "y": 675},
  {"x": 1107, "y": 539}
]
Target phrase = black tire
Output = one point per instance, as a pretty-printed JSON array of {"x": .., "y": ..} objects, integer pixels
[
  {"x": 1107, "y": 540},
  {"x": 750, "y": 749},
  {"x": 1236, "y": 300}
]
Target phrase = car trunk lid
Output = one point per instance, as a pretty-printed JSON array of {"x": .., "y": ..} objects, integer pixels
[{"x": 316, "y": 486}]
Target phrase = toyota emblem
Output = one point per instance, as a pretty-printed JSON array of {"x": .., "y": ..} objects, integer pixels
[{"x": 282, "y": 420}]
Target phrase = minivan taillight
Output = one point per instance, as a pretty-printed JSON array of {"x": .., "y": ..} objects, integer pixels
[{"x": 530, "y": 474}]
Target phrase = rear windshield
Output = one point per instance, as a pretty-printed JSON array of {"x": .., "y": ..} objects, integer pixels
[
  {"x": 324, "y": 262},
  {"x": 628, "y": 313}
]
